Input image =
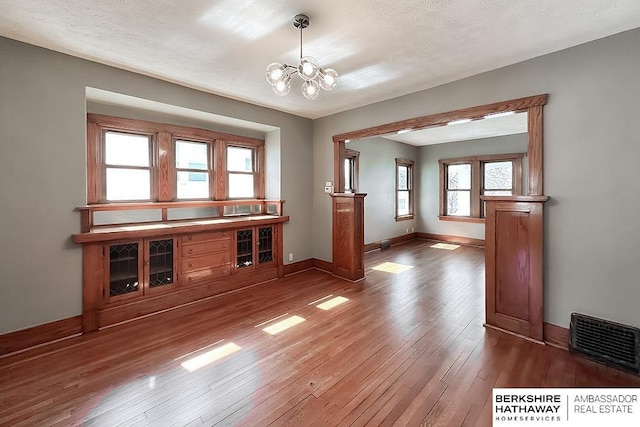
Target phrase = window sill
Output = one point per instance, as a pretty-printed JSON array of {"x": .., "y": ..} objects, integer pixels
[
  {"x": 461, "y": 219},
  {"x": 404, "y": 218}
]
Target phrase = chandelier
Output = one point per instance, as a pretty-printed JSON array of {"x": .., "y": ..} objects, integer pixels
[{"x": 279, "y": 75}]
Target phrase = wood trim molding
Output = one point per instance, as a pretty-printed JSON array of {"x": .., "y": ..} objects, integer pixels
[
  {"x": 153, "y": 127},
  {"x": 451, "y": 239},
  {"x": 34, "y": 336},
  {"x": 534, "y": 128},
  {"x": 299, "y": 266},
  {"x": 323, "y": 265},
  {"x": 556, "y": 336},
  {"x": 392, "y": 240},
  {"x": 478, "y": 112}
]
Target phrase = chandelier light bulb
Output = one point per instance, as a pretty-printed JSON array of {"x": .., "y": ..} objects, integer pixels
[
  {"x": 282, "y": 87},
  {"x": 275, "y": 72},
  {"x": 279, "y": 75},
  {"x": 310, "y": 89},
  {"x": 308, "y": 68},
  {"x": 329, "y": 79}
]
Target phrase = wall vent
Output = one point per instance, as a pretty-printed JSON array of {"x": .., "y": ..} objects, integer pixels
[{"x": 606, "y": 342}]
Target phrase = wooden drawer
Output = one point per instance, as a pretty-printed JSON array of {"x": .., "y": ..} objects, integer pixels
[
  {"x": 213, "y": 260},
  {"x": 212, "y": 273},
  {"x": 204, "y": 237},
  {"x": 197, "y": 249}
]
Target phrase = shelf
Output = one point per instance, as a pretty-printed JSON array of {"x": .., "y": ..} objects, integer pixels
[
  {"x": 121, "y": 259},
  {"x": 161, "y": 254},
  {"x": 124, "y": 276}
]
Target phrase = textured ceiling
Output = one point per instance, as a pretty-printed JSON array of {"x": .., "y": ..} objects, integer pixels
[{"x": 380, "y": 48}]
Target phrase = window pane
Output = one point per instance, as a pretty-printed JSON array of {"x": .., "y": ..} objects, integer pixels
[
  {"x": 459, "y": 203},
  {"x": 347, "y": 174},
  {"x": 403, "y": 178},
  {"x": 403, "y": 203},
  {"x": 240, "y": 185},
  {"x": 239, "y": 159},
  {"x": 498, "y": 175},
  {"x": 128, "y": 184},
  {"x": 124, "y": 149},
  {"x": 459, "y": 177},
  {"x": 193, "y": 185},
  {"x": 191, "y": 155}
]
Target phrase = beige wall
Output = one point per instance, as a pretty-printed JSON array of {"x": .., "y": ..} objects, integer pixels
[
  {"x": 591, "y": 154},
  {"x": 377, "y": 179},
  {"x": 430, "y": 185},
  {"x": 42, "y": 172}
]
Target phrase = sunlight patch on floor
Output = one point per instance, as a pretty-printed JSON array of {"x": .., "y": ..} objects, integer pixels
[
  {"x": 283, "y": 325},
  {"x": 210, "y": 356},
  {"x": 446, "y": 246},
  {"x": 333, "y": 302},
  {"x": 392, "y": 267}
]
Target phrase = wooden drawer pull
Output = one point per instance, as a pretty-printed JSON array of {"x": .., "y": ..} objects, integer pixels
[
  {"x": 190, "y": 238},
  {"x": 190, "y": 278},
  {"x": 190, "y": 251},
  {"x": 190, "y": 264}
]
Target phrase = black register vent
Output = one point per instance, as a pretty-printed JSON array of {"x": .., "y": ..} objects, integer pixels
[{"x": 607, "y": 342}]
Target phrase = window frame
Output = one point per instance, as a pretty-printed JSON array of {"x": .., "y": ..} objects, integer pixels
[
  {"x": 410, "y": 188},
  {"x": 477, "y": 182},
  {"x": 101, "y": 177},
  {"x": 163, "y": 137},
  {"x": 353, "y": 157},
  {"x": 210, "y": 170},
  {"x": 255, "y": 169}
]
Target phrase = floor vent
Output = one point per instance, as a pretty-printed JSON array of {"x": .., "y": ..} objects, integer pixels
[{"x": 606, "y": 342}]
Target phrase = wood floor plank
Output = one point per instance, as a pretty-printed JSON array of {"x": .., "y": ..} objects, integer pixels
[{"x": 405, "y": 349}]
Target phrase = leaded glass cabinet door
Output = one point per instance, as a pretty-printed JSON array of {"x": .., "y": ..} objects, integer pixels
[
  {"x": 244, "y": 249},
  {"x": 160, "y": 271},
  {"x": 265, "y": 246},
  {"x": 124, "y": 264}
]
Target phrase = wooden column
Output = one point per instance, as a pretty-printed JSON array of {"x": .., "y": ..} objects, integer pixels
[
  {"x": 348, "y": 235},
  {"x": 514, "y": 270}
]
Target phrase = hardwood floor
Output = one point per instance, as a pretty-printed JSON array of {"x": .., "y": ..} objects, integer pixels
[{"x": 405, "y": 349}]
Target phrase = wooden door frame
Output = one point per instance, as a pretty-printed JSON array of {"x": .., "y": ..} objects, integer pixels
[{"x": 532, "y": 105}]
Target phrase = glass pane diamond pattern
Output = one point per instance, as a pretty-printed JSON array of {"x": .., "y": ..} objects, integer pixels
[
  {"x": 244, "y": 239},
  {"x": 123, "y": 269},
  {"x": 160, "y": 262},
  {"x": 265, "y": 244}
]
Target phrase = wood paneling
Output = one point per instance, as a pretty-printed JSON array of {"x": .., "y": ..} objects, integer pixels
[
  {"x": 41, "y": 334},
  {"x": 348, "y": 235},
  {"x": 392, "y": 240},
  {"x": 297, "y": 267},
  {"x": 323, "y": 265},
  {"x": 153, "y": 127},
  {"x": 451, "y": 239},
  {"x": 93, "y": 160},
  {"x": 534, "y": 128},
  {"x": 514, "y": 274},
  {"x": 521, "y": 104},
  {"x": 220, "y": 164},
  {"x": 404, "y": 350},
  {"x": 93, "y": 280},
  {"x": 556, "y": 336},
  {"x": 166, "y": 170}
]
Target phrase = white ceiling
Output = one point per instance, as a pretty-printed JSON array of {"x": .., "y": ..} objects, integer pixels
[
  {"x": 476, "y": 129},
  {"x": 380, "y": 48}
]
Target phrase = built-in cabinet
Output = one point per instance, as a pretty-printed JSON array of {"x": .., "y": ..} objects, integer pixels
[
  {"x": 138, "y": 268},
  {"x": 255, "y": 248},
  {"x": 134, "y": 270}
]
